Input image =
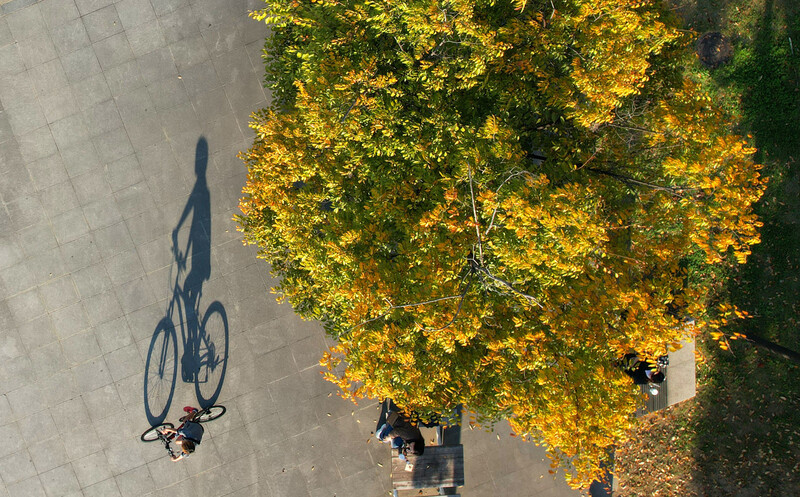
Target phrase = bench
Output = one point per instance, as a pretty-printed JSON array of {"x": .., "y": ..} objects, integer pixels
[{"x": 439, "y": 467}]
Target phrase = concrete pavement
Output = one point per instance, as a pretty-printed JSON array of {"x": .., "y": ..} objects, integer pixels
[{"x": 108, "y": 109}]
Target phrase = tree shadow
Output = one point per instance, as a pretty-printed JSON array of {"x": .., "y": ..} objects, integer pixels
[
  {"x": 744, "y": 427},
  {"x": 203, "y": 333}
]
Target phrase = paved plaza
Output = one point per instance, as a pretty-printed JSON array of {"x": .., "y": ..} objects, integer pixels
[{"x": 119, "y": 129}]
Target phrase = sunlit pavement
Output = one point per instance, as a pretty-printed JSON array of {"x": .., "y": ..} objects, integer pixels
[{"x": 120, "y": 125}]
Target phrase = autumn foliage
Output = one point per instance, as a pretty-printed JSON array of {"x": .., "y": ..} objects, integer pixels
[{"x": 489, "y": 202}]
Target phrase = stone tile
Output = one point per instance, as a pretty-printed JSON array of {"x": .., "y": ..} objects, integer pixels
[
  {"x": 91, "y": 280},
  {"x": 102, "y": 308},
  {"x": 154, "y": 65},
  {"x": 112, "y": 145},
  {"x": 200, "y": 78},
  {"x": 81, "y": 441},
  {"x": 59, "y": 293},
  {"x": 69, "y": 131},
  {"x": 135, "y": 12},
  {"x": 124, "y": 78},
  {"x": 124, "y": 362},
  {"x": 234, "y": 67},
  {"x": 47, "y": 172},
  {"x": 26, "y": 23},
  {"x": 102, "y": 117},
  {"x": 48, "y": 77},
  {"x": 17, "y": 89},
  {"x": 92, "y": 469},
  {"x": 179, "y": 25},
  {"x": 58, "y": 104},
  {"x": 125, "y": 455},
  {"x": 80, "y": 253},
  {"x": 106, "y": 488},
  {"x": 188, "y": 51},
  {"x": 80, "y": 64},
  {"x": 25, "y": 117},
  {"x": 57, "y": 12},
  {"x": 48, "y": 454},
  {"x": 32, "y": 487},
  {"x": 146, "y": 226},
  {"x": 90, "y": 92},
  {"x": 135, "y": 482},
  {"x": 135, "y": 295},
  {"x": 11, "y": 441},
  {"x": 91, "y": 376},
  {"x": 87, "y": 6},
  {"x": 69, "y": 320},
  {"x": 69, "y": 36},
  {"x": 17, "y": 278},
  {"x": 168, "y": 93},
  {"x": 11, "y": 62},
  {"x": 48, "y": 359},
  {"x": 36, "y": 334},
  {"x": 102, "y": 23},
  {"x": 145, "y": 38},
  {"x": 114, "y": 335},
  {"x": 145, "y": 131},
  {"x": 59, "y": 388},
  {"x": 113, "y": 240},
  {"x": 113, "y": 51},
  {"x": 79, "y": 159},
  {"x": 70, "y": 226},
  {"x": 91, "y": 185},
  {"x": 124, "y": 267},
  {"x": 37, "y": 238},
  {"x": 37, "y": 144},
  {"x": 6, "y": 133},
  {"x": 143, "y": 321},
  {"x": 134, "y": 105},
  {"x": 17, "y": 373},
  {"x": 123, "y": 173},
  {"x": 134, "y": 199},
  {"x": 222, "y": 39},
  {"x": 102, "y": 213},
  {"x": 16, "y": 467},
  {"x": 80, "y": 348},
  {"x": 25, "y": 306},
  {"x": 6, "y": 36},
  {"x": 37, "y": 49},
  {"x": 37, "y": 427}
]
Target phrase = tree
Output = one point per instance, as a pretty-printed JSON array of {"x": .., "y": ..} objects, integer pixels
[{"x": 490, "y": 202}]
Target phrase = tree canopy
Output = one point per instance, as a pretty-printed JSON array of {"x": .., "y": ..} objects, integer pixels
[{"x": 488, "y": 202}]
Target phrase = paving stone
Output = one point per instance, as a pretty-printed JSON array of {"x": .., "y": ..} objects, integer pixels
[
  {"x": 37, "y": 238},
  {"x": 87, "y": 6},
  {"x": 145, "y": 38},
  {"x": 92, "y": 469},
  {"x": 36, "y": 334},
  {"x": 69, "y": 320},
  {"x": 112, "y": 145},
  {"x": 124, "y": 78},
  {"x": 37, "y": 144},
  {"x": 16, "y": 467},
  {"x": 37, "y": 50},
  {"x": 80, "y": 64},
  {"x": 59, "y": 293},
  {"x": 91, "y": 92},
  {"x": 154, "y": 65},
  {"x": 189, "y": 51},
  {"x": 58, "y": 104},
  {"x": 26, "y": 23},
  {"x": 102, "y": 23},
  {"x": 113, "y": 51},
  {"x": 69, "y": 37},
  {"x": 58, "y": 12},
  {"x": 32, "y": 487},
  {"x": 70, "y": 226},
  {"x": 48, "y": 359},
  {"x": 102, "y": 308},
  {"x": 102, "y": 117}
]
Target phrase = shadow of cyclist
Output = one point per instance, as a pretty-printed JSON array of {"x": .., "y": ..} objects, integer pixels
[{"x": 197, "y": 254}]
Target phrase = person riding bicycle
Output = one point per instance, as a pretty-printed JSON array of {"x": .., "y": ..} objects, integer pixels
[{"x": 188, "y": 435}]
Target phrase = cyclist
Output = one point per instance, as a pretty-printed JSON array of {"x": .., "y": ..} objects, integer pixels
[{"x": 188, "y": 434}]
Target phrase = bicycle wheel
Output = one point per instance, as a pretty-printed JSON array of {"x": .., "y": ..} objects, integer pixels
[
  {"x": 210, "y": 413},
  {"x": 160, "y": 372},
  {"x": 212, "y": 354},
  {"x": 151, "y": 435}
]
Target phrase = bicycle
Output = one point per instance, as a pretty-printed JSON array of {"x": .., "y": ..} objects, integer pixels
[
  {"x": 155, "y": 433},
  {"x": 205, "y": 341}
]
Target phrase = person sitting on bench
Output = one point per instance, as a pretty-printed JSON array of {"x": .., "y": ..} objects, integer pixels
[{"x": 402, "y": 435}]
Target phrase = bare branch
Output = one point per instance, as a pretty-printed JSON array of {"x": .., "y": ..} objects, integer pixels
[
  {"x": 475, "y": 215},
  {"x": 458, "y": 310},
  {"x": 508, "y": 285},
  {"x": 494, "y": 212}
]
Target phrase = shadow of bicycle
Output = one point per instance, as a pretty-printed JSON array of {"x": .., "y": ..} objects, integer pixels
[{"x": 203, "y": 333}]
